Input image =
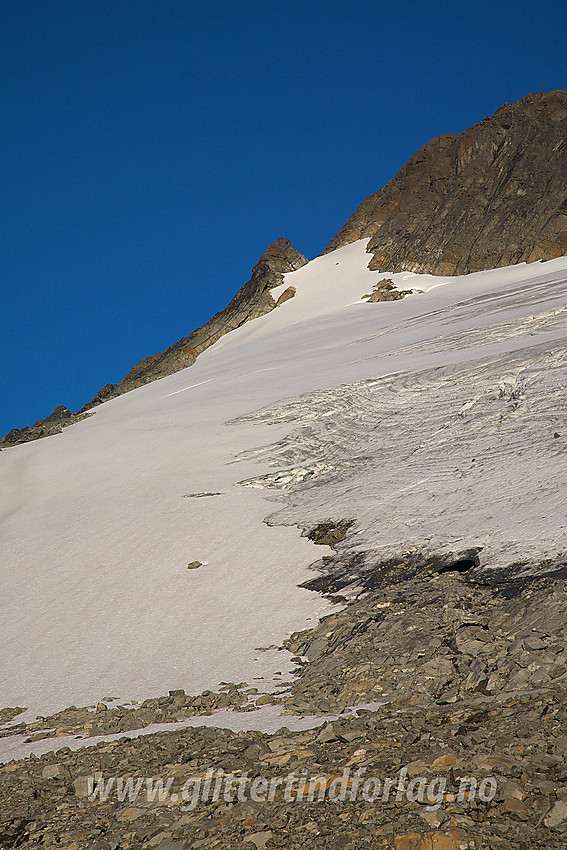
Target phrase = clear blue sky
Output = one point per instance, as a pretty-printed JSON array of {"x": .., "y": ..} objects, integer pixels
[{"x": 152, "y": 150}]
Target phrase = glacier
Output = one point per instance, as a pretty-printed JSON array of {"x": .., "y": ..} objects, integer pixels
[{"x": 429, "y": 420}]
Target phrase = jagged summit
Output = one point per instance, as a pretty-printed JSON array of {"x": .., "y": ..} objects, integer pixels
[
  {"x": 282, "y": 256},
  {"x": 495, "y": 195},
  {"x": 252, "y": 300}
]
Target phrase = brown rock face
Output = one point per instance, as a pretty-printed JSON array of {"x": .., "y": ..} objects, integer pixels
[
  {"x": 492, "y": 196},
  {"x": 252, "y": 300}
]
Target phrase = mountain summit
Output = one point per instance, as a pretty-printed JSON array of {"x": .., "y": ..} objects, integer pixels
[{"x": 494, "y": 195}]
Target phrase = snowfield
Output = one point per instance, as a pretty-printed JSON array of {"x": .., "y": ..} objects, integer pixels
[{"x": 430, "y": 420}]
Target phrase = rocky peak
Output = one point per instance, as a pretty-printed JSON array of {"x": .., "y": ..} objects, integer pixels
[
  {"x": 283, "y": 257},
  {"x": 491, "y": 196},
  {"x": 252, "y": 300}
]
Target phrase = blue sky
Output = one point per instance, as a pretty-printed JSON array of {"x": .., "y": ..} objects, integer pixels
[{"x": 152, "y": 150}]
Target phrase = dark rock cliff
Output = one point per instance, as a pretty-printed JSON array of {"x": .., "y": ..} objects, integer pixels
[{"x": 492, "y": 196}]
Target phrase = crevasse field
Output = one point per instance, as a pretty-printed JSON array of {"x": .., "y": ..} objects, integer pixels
[{"x": 429, "y": 420}]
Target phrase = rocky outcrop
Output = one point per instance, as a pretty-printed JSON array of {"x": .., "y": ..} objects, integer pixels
[
  {"x": 492, "y": 196},
  {"x": 42, "y": 428},
  {"x": 385, "y": 290},
  {"x": 286, "y": 295},
  {"x": 252, "y": 300}
]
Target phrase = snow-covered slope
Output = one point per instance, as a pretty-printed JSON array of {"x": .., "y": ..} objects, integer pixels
[{"x": 376, "y": 411}]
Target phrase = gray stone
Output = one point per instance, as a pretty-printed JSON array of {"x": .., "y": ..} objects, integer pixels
[
  {"x": 327, "y": 734},
  {"x": 557, "y": 814},
  {"x": 54, "y": 771},
  {"x": 259, "y": 839},
  {"x": 82, "y": 786}
]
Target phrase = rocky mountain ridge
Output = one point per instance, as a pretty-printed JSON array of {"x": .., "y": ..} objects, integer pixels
[{"x": 252, "y": 300}]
